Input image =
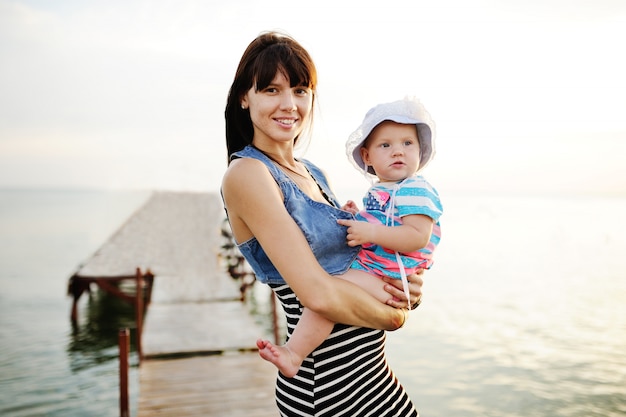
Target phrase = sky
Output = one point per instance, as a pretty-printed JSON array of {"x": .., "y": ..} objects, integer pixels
[{"x": 527, "y": 96}]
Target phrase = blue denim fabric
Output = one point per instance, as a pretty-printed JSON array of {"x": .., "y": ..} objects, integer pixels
[{"x": 318, "y": 222}]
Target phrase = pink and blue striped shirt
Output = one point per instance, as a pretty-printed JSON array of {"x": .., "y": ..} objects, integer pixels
[{"x": 386, "y": 203}]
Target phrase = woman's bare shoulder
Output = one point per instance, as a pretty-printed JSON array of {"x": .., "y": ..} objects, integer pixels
[
  {"x": 246, "y": 173},
  {"x": 247, "y": 179},
  {"x": 244, "y": 167}
]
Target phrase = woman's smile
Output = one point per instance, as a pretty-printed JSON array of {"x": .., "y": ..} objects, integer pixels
[{"x": 286, "y": 122}]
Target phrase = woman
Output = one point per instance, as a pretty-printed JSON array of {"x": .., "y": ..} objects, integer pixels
[{"x": 284, "y": 217}]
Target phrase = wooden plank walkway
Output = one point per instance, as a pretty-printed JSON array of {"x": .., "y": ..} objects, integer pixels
[
  {"x": 228, "y": 385},
  {"x": 177, "y": 236},
  {"x": 183, "y": 329},
  {"x": 198, "y": 339}
]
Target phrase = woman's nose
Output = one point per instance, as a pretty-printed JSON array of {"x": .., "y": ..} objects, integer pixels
[{"x": 288, "y": 102}]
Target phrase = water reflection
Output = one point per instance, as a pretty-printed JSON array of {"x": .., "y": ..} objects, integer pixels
[{"x": 94, "y": 339}]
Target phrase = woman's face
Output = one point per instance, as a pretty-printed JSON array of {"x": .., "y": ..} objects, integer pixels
[{"x": 279, "y": 112}]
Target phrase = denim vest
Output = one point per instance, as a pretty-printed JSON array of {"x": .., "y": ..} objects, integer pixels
[{"x": 318, "y": 222}]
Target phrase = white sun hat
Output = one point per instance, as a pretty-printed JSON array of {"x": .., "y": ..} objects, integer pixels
[{"x": 406, "y": 111}]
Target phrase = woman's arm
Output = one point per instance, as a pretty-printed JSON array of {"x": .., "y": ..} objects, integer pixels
[{"x": 255, "y": 207}]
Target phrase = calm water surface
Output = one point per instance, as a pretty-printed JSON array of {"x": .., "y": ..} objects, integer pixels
[
  {"x": 47, "y": 368},
  {"x": 524, "y": 312}
]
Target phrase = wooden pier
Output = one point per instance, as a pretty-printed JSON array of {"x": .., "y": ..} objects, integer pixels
[
  {"x": 227, "y": 385},
  {"x": 197, "y": 339},
  {"x": 200, "y": 360}
]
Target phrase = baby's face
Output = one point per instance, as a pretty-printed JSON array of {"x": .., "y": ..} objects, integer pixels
[{"x": 393, "y": 150}]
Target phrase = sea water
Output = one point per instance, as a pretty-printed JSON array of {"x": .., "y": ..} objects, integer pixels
[
  {"x": 523, "y": 314},
  {"x": 47, "y": 367}
]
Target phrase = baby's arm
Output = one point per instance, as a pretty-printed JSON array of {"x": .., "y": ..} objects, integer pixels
[{"x": 413, "y": 234}]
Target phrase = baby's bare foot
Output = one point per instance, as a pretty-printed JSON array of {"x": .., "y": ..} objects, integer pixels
[{"x": 280, "y": 356}]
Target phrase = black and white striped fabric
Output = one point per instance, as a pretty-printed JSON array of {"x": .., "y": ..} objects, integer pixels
[{"x": 347, "y": 376}]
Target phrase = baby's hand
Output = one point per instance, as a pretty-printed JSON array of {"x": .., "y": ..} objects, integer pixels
[
  {"x": 351, "y": 207},
  {"x": 358, "y": 233}
]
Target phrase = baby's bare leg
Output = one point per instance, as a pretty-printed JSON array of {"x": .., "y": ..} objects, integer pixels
[
  {"x": 311, "y": 331},
  {"x": 370, "y": 283}
]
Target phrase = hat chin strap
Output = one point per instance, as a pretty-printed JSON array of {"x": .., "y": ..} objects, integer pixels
[{"x": 389, "y": 222}]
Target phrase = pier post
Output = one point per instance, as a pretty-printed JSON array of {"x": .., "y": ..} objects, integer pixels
[
  {"x": 139, "y": 311},
  {"x": 274, "y": 318},
  {"x": 124, "y": 342}
]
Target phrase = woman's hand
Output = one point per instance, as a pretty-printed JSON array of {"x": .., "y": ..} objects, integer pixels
[{"x": 394, "y": 288}]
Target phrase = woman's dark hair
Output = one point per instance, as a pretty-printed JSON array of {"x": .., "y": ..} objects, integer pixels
[{"x": 268, "y": 54}]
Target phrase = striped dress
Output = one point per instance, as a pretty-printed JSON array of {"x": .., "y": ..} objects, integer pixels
[{"x": 346, "y": 376}]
